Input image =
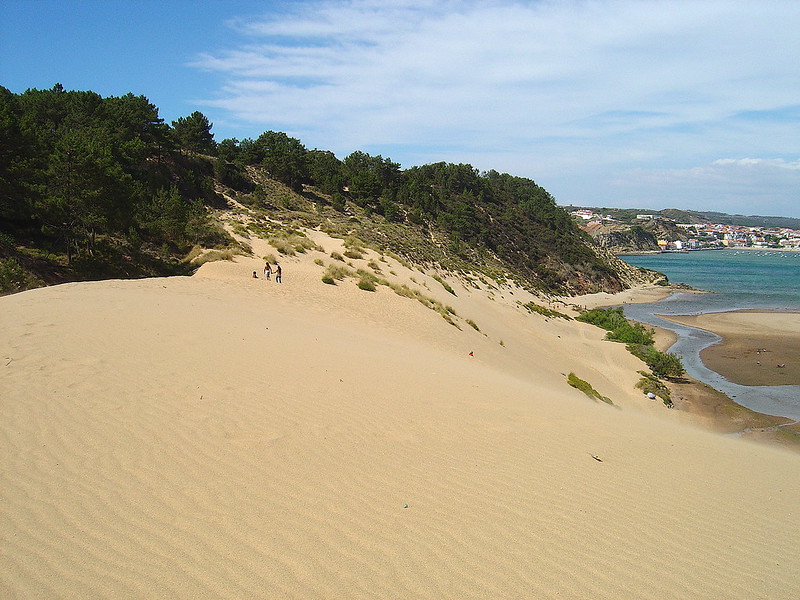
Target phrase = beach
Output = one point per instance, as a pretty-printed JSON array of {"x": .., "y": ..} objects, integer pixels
[
  {"x": 222, "y": 436},
  {"x": 757, "y": 347},
  {"x": 700, "y": 403}
]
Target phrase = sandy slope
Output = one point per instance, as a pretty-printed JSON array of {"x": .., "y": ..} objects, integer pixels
[{"x": 224, "y": 437}]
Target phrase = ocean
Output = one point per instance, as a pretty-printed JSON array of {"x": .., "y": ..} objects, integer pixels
[
  {"x": 739, "y": 279},
  {"x": 742, "y": 278}
]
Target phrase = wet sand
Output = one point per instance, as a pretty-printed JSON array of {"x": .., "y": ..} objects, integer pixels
[{"x": 757, "y": 348}]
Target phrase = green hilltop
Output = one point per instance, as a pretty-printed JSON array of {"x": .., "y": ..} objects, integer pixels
[{"x": 94, "y": 187}]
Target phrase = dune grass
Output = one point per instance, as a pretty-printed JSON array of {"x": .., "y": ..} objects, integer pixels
[
  {"x": 366, "y": 284},
  {"x": 213, "y": 255},
  {"x": 336, "y": 271},
  {"x": 544, "y": 311},
  {"x": 354, "y": 254},
  {"x": 444, "y": 284},
  {"x": 586, "y": 388}
]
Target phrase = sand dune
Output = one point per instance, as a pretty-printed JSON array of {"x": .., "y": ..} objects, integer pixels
[{"x": 224, "y": 437}]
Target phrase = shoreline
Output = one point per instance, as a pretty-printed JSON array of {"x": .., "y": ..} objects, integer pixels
[
  {"x": 757, "y": 348},
  {"x": 717, "y": 412},
  {"x": 704, "y": 404},
  {"x": 689, "y": 251}
]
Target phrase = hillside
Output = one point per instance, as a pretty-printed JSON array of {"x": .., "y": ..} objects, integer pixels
[
  {"x": 628, "y": 216},
  {"x": 94, "y": 187}
]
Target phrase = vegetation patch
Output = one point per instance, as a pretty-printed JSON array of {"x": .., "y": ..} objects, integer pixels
[
  {"x": 586, "y": 388},
  {"x": 213, "y": 255},
  {"x": 650, "y": 384},
  {"x": 354, "y": 254},
  {"x": 544, "y": 311},
  {"x": 445, "y": 285},
  {"x": 662, "y": 364},
  {"x": 364, "y": 283},
  {"x": 619, "y": 328},
  {"x": 282, "y": 245},
  {"x": 291, "y": 243},
  {"x": 13, "y": 278},
  {"x": 336, "y": 271},
  {"x": 639, "y": 342}
]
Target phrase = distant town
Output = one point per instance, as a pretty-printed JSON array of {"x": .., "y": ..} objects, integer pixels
[{"x": 696, "y": 236}]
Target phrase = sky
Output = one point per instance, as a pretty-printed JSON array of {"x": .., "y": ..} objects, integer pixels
[{"x": 609, "y": 103}]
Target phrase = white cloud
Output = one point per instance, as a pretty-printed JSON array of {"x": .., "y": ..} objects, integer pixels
[
  {"x": 762, "y": 163},
  {"x": 533, "y": 85}
]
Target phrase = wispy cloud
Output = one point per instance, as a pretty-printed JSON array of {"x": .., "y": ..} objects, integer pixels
[
  {"x": 545, "y": 89},
  {"x": 741, "y": 185}
]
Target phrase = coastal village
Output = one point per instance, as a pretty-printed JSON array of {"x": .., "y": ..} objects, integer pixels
[{"x": 697, "y": 236}]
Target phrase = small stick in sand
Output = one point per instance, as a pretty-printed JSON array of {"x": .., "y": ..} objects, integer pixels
[{"x": 594, "y": 456}]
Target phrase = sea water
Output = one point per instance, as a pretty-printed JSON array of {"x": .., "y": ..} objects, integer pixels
[{"x": 737, "y": 279}]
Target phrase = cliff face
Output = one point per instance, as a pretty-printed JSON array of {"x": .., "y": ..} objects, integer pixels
[
  {"x": 616, "y": 238},
  {"x": 641, "y": 237},
  {"x": 632, "y": 239}
]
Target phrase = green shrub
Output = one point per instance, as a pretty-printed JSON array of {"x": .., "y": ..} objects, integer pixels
[
  {"x": 662, "y": 364},
  {"x": 13, "y": 278},
  {"x": 649, "y": 384},
  {"x": 327, "y": 278},
  {"x": 473, "y": 324},
  {"x": 586, "y": 388},
  {"x": 619, "y": 328},
  {"x": 336, "y": 256},
  {"x": 338, "y": 202}
]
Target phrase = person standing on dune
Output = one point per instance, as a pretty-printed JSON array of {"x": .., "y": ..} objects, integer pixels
[{"x": 278, "y": 273}]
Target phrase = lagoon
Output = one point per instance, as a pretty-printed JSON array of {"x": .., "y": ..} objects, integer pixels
[{"x": 737, "y": 280}]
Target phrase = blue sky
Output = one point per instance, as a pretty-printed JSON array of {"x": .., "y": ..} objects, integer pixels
[{"x": 628, "y": 103}]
